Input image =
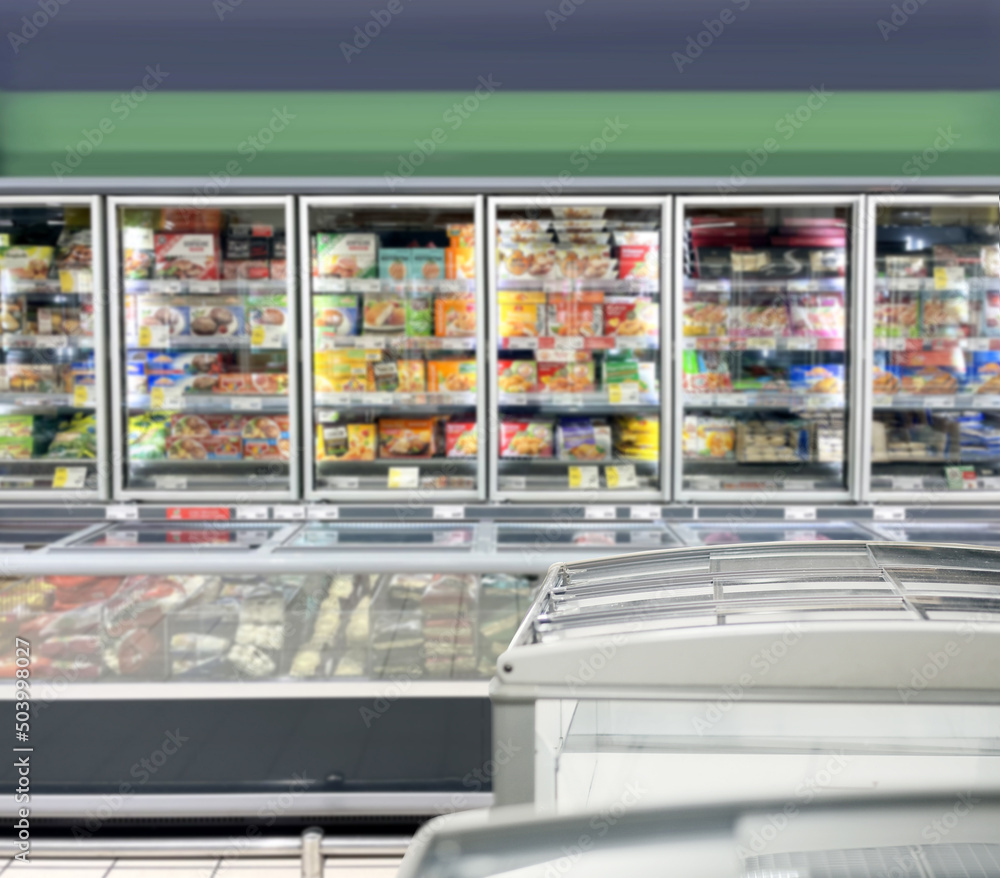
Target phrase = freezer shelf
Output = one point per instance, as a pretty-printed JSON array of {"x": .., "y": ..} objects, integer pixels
[
  {"x": 576, "y": 347},
  {"x": 395, "y": 353},
  {"x": 206, "y": 339},
  {"x": 764, "y": 386},
  {"x": 53, "y": 406},
  {"x": 935, "y": 334}
]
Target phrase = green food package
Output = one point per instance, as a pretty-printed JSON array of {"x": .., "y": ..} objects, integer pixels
[
  {"x": 75, "y": 440},
  {"x": 419, "y": 316},
  {"x": 147, "y": 436},
  {"x": 16, "y": 448},
  {"x": 16, "y": 426}
]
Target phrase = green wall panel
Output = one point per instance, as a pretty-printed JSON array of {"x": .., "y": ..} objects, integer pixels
[{"x": 527, "y": 133}]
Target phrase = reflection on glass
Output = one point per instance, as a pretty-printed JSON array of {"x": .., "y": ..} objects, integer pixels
[{"x": 936, "y": 379}]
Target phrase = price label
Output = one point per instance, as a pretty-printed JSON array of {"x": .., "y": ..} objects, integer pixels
[
  {"x": 70, "y": 478},
  {"x": 800, "y": 484},
  {"x": 449, "y": 512},
  {"x": 647, "y": 537},
  {"x": 166, "y": 398},
  {"x": 765, "y": 344},
  {"x": 121, "y": 512},
  {"x": 267, "y": 337},
  {"x": 991, "y": 402},
  {"x": 882, "y": 400},
  {"x": 170, "y": 483},
  {"x": 907, "y": 483},
  {"x": 515, "y": 398},
  {"x": 573, "y": 343},
  {"x": 514, "y": 483},
  {"x": 82, "y": 395},
  {"x": 621, "y": 476},
  {"x": 171, "y": 286},
  {"x": 324, "y": 513},
  {"x": 154, "y": 336},
  {"x": 689, "y": 344},
  {"x": 600, "y": 513},
  {"x": 289, "y": 513},
  {"x": 626, "y": 393},
  {"x": 645, "y": 513},
  {"x": 889, "y": 513},
  {"x": 894, "y": 344},
  {"x": 584, "y": 478},
  {"x": 947, "y": 277},
  {"x": 346, "y": 483},
  {"x": 252, "y": 513},
  {"x": 404, "y": 477},
  {"x": 977, "y": 344},
  {"x": 800, "y": 344},
  {"x": 800, "y": 513},
  {"x": 939, "y": 402},
  {"x": 250, "y": 404},
  {"x": 732, "y": 400}
]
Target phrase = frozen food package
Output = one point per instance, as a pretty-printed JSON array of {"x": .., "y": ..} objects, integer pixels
[
  {"x": 715, "y": 437},
  {"x": 454, "y": 317},
  {"x": 187, "y": 256},
  {"x": 147, "y": 436},
  {"x": 576, "y": 314},
  {"x": 527, "y": 262},
  {"x": 461, "y": 438},
  {"x": 269, "y": 311},
  {"x": 386, "y": 376},
  {"x": 586, "y": 439},
  {"x": 407, "y": 437},
  {"x": 578, "y": 213},
  {"x": 451, "y": 376},
  {"x": 350, "y": 255},
  {"x": 394, "y": 263},
  {"x": 706, "y": 372},
  {"x": 460, "y": 263},
  {"x": 412, "y": 376},
  {"x": 631, "y": 317},
  {"x": 945, "y": 313},
  {"x": 530, "y": 226},
  {"x": 204, "y": 448},
  {"x": 818, "y": 316},
  {"x": 428, "y": 263},
  {"x": 13, "y": 312},
  {"x": 828, "y": 378},
  {"x": 585, "y": 262},
  {"x": 76, "y": 439},
  {"x": 517, "y": 376},
  {"x": 461, "y": 234},
  {"x": 139, "y": 255},
  {"x": 526, "y": 438},
  {"x": 384, "y": 313},
  {"x": 245, "y": 269},
  {"x": 26, "y": 263},
  {"x": 566, "y": 377},
  {"x": 17, "y": 448},
  {"x": 175, "y": 317},
  {"x": 705, "y": 318},
  {"x": 216, "y": 321},
  {"x": 346, "y": 441},
  {"x": 343, "y": 371},
  {"x": 335, "y": 316},
  {"x": 419, "y": 316},
  {"x": 767, "y": 321},
  {"x": 74, "y": 249}
]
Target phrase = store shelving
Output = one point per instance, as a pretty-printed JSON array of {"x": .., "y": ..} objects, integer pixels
[
  {"x": 578, "y": 366},
  {"x": 933, "y": 338},
  {"x": 394, "y": 355},
  {"x": 53, "y": 367},
  {"x": 205, "y": 343},
  {"x": 765, "y": 328}
]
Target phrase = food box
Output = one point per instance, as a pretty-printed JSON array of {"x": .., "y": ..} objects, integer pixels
[
  {"x": 528, "y": 226},
  {"x": 455, "y": 317},
  {"x": 760, "y": 321},
  {"x": 705, "y": 372},
  {"x": 346, "y": 441},
  {"x": 522, "y": 315},
  {"x": 637, "y": 438},
  {"x": 461, "y": 438},
  {"x": 517, "y": 376},
  {"x": 818, "y": 317},
  {"x": 428, "y": 263},
  {"x": 60, "y": 320},
  {"x": 705, "y": 318},
  {"x": 139, "y": 255},
  {"x": 349, "y": 255},
  {"x": 411, "y": 376},
  {"x": 343, "y": 371},
  {"x": 384, "y": 313},
  {"x": 945, "y": 313},
  {"x": 74, "y": 249},
  {"x": 187, "y": 256},
  {"x": 579, "y": 213},
  {"x": 583, "y": 439},
  {"x": 26, "y": 263},
  {"x": 587, "y": 262},
  {"x": 772, "y": 441},
  {"x": 461, "y": 234},
  {"x": 451, "y": 376},
  {"x": 460, "y": 263},
  {"x": 16, "y": 426},
  {"x": 267, "y": 312},
  {"x": 147, "y": 436},
  {"x": 204, "y": 448},
  {"x": 335, "y": 315},
  {"x": 419, "y": 316},
  {"x": 579, "y": 314},
  {"x": 817, "y": 379},
  {"x": 986, "y": 371},
  {"x": 709, "y": 437},
  {"x": 245, "y": 269},
  {"x": 200, "y": 426},
  {"x": 930, "y": 372},
  {"x": 12, "y": 314},
  {"x": 266, "y": 438},
  {"x": 394, "y": 263},
  {"x": 899, "y": 318},
  {"x": 279, "y": 269},
  {"x": 175, "y": 317},
  {"x": 385, "y": 376},
  {"x": 527, "y": 261},
  {"x": 217, "y": 321},
  {"x": 526, "y": 438},
  {"x": 16, "y": 448},
  {"x": 631, "y": 317},
  {"x": 24, "y": 378},
  {"x": 566, "y": 377},
  {"x": 406, "y": 438}
]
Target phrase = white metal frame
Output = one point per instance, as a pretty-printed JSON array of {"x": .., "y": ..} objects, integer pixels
[
  {"x": 312, "y": 492},
  {"x": 118, "y": 395},
  {"x": 857, "y": 294},
  {"x": 866, "y": 347},
  {"x": 664, "y": 203},
  {"x": 101, "y": 403}
]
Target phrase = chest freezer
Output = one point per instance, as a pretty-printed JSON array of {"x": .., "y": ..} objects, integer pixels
[{"x": 790, "y": 669}]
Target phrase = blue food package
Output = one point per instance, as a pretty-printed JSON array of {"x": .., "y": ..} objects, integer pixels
[
  {"x": 182, "y": 363},
  {"x": 827, "y": 378}
]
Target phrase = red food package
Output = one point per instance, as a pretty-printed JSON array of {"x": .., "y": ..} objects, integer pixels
[{"x": 136, "y": 650}]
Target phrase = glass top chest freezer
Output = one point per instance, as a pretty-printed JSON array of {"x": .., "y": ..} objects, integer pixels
[
  {"x": 53, "y": 401},
  {"x": 204, "y": 348},
  {"x": 754, "y": 669}
]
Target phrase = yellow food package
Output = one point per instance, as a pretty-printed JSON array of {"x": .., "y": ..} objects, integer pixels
[{"x": 452, "y": 376}]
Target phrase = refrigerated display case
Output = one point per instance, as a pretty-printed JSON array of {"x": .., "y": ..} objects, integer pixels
[
  {"x": 766, "y": 329},
  {"x": 53, "y": 380},
  {"x": 394, "y": 348},
  {"x": 679, "y": 668},
  {"x": 577, "y": 359},
  {"x": 204, "y": 348},
  {"x": 933, "y": 331}
]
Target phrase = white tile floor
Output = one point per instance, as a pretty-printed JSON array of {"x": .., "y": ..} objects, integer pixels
[{"x": 237, "y": 867}]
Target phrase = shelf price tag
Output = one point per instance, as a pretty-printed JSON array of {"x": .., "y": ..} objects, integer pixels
[
  {"x": 166, "y": 398},
  {"x": 267, "y": 337},
  {"x": 250, "y": 404},
  {"x": 449, "y": 512},
  {"x": 289, "y": 513},
  {"x": 82, "y": 394},
  {"x": 947, "y": 277},
  {"x": 154, "y": 336},
  {"x": 403, "y": 477},
  {"x": 621, "y": 476},
  {"x": 626, "y": 393},
  {"x": 252, "y": 513},
  {"x": 600, "y": 513},
  {"x": 170, "y": 483},
  {"x": 69, "y": 478},
  {"x": 324, "y": 513},
  {"x": 646, "y": 513},
  {"x": 584, "y": 478},
  {"x": 907, "y": 483},
  {"x": 800, "y": 513},
  {"x": 122, "y": 512},
  {"x": 889, "y": 513}
]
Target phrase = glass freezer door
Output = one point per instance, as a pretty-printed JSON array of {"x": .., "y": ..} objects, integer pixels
[
  {"x": 53, "y": 431},
  {"x": 764, "y": 382},
  {"x": 205, "y": 333},
  {"x": 577, "y": 319},
  {"x": 394, "y": 348},
  {"x": 935, "y": 381}
]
